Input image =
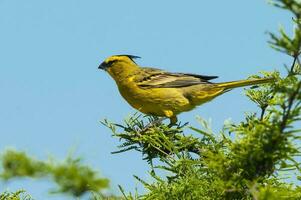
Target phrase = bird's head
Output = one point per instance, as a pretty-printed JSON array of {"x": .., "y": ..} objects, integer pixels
[{"x": 117, "y": 61}]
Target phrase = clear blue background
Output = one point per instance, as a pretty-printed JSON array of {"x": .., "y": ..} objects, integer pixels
[{"x": 52, "y": 96}]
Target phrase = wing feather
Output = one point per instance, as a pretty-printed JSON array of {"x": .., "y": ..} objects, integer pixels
[{"x": 155, "y": 78}]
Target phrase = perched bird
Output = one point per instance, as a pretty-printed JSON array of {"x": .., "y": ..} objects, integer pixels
[{"x": 166, "y": 94}]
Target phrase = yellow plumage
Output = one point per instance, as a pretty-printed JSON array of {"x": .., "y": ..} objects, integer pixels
[{"x": 160, "y": 93}]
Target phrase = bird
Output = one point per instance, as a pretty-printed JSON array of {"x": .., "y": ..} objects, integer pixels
[{"x": 166, "y": 94}]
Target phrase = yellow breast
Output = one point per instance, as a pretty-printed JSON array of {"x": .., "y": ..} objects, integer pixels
[{"x": 156, "y": 101}]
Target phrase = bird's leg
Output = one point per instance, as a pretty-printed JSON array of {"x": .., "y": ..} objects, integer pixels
[{"x": 173, "y": 121}]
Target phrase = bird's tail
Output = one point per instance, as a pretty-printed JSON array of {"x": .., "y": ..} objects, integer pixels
[{"x": 242, "y": 83}]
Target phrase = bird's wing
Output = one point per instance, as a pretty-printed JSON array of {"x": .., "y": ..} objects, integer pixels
[{"x": 155, "y": 78}]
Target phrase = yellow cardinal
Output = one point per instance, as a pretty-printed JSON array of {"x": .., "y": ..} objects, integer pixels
[{"x": 161, "y": 93}]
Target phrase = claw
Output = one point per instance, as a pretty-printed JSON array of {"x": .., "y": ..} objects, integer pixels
[{"x": 153, "y": 123}]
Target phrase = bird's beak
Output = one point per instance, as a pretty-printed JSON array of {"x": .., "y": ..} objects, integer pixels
[{"x": 102, "y": 66}]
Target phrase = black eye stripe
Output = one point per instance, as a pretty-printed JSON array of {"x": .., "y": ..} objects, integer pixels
[{"x": 110, "y": 62}]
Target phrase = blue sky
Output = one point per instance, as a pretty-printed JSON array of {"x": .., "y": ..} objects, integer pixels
[{"x": 53, "y": 96}]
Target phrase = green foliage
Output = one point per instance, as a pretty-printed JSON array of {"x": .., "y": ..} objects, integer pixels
[
  {"x": 71, "y": 175},
  {"x": 281, "y": 191},
  {"x": 100, "y": 196},
  {"x": 159, "y": 140},
  {"x": 75, "y": 178},
  {"x": 286, "y": 44},
  {"x": 293, "y": 6},
  {"x": 19, "y": 195},
  {"x": 18, "y": 164}
]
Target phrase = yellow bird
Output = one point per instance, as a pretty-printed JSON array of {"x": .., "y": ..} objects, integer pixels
[{"x": 161, "y": 93}]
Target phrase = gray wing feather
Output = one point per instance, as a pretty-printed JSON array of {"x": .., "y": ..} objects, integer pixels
[{"x": 155, "y": 78}]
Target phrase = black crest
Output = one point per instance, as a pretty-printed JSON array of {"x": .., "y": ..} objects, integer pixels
[{"x": 132, "y": 57}]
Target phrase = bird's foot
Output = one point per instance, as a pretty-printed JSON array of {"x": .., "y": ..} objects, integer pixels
[
  {"x": 173, "y": 121},
  {"x": 178, "y": 125},
  {"x": 153, "y": 123},
  {"x": 170, "y": 125}
]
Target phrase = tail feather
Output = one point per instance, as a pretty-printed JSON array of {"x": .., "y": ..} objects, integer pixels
[{"x": 242, "y": 83}]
